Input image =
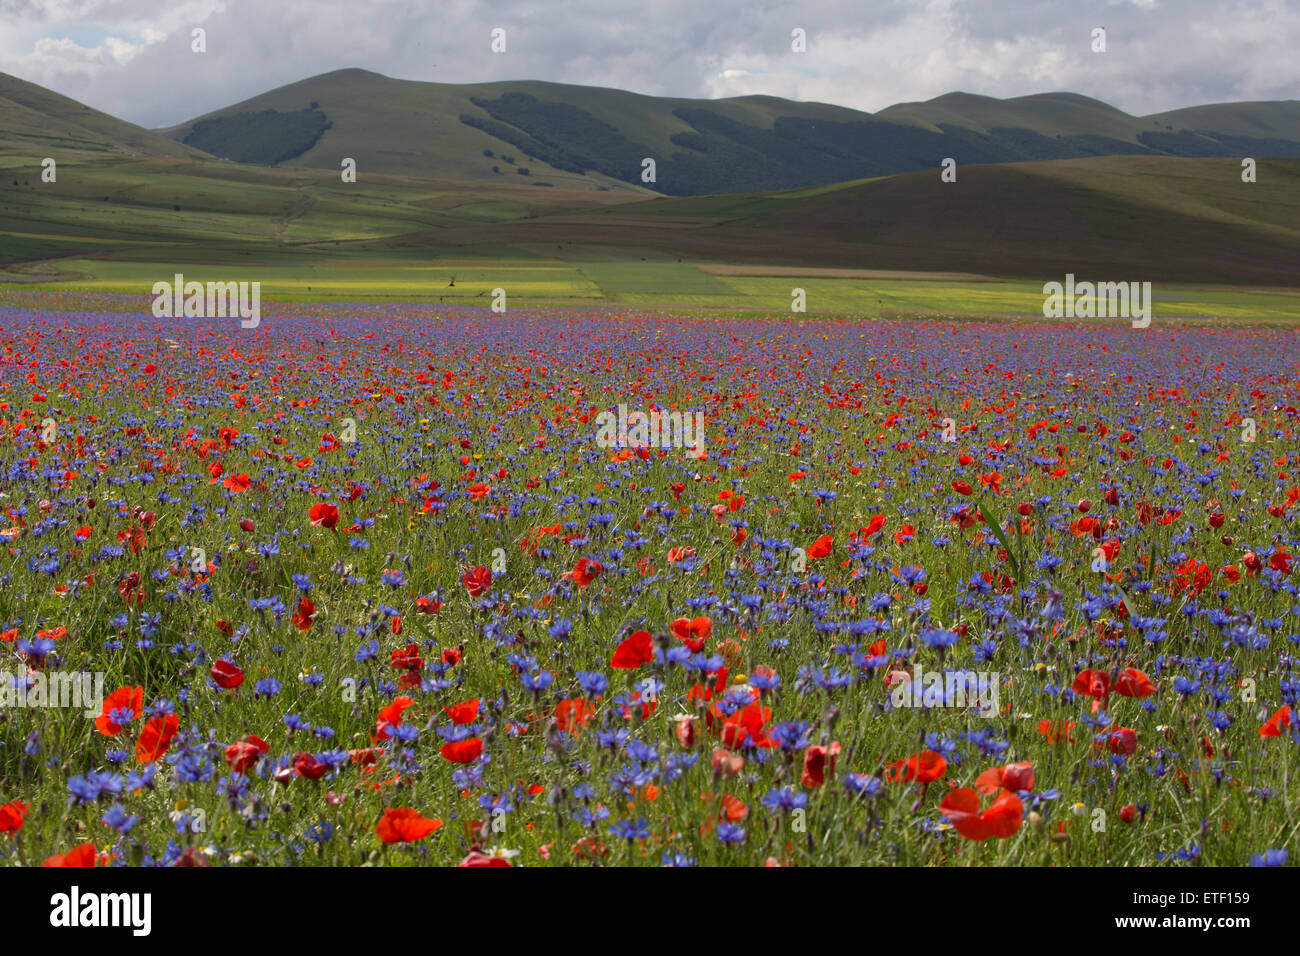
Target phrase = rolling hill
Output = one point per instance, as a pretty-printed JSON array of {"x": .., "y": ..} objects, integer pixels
[
  {"x": 34, "y": 118},
  {"x": 1147, "y": 217},
  {"x": 598, "y": 137},
  {"x": 1153, "y": 215}
]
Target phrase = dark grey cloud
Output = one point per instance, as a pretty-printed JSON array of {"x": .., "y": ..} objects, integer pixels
[{"x": 133, "y": 58}]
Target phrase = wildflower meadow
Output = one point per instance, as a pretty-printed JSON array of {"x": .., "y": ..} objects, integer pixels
[{"x": 402, "y": 585}]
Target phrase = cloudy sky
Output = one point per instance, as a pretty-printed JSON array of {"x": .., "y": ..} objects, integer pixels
[{"x": 133, "y": 58}]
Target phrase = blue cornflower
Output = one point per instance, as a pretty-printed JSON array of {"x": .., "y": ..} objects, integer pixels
[
  {"x": 117, "y": 818},
  {"x": 861, "y": 783},
  {"x": 790, "y": 735},
  {"x": 1270, "y": 858},
  {"x": 730, "y": 833},
  {"x": 628, "y": 830},
  {"x": 785, "y": 798}
]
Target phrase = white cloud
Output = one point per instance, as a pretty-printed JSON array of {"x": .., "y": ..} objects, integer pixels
[{"x": 866, "y": 54}]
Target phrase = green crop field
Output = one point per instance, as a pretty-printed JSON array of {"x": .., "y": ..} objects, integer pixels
[{"x": 119, "y": 224}]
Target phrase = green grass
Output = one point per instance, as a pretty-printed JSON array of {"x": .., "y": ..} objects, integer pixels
[
  {"x": 626, "y": 281},
  {"x": 659, "y": 285},
  {"x": 119, "y": 225},
  {"x": 323, "y": 278},
  {"x": 1005, "y": 298}
]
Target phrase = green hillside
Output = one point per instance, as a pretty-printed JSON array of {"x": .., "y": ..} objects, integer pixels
[
  {"x": 159, "y": 209},
  {"x": 388, "y": 126},
  {"x": 563, "y": 136},
  {"x": 599, "y": 138},
  {"x": 32, "y": 117},
  {"x": 1146, "y": 217},
  {"x": 1267, "y": 120},
  {"x": 1049, "y": 114}
]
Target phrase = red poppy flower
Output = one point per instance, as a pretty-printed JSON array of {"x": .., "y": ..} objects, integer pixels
[
  {"x": 962, "y": 488},
  {"x": 874, "y": 525},
  {"x": 1134, "y": 683},
  {"x": 477, "y": 581},
  {"x": 243, "y": 756},
  {"x": 407, "y": 658},
  {"x": 815, "y": 764},
  {"x": 475, "y": 858},
  {"x": 1092, "y": 683},
  {"x": 1001, "y": 820},
  {"x": 746, "y": 727},
  {"x": 730, "y": 807},
  {"x": 11, "y": 816},
  {"x": 391, "y": 716},
  {"x": 633, "y": 652},
  {"x": 572, "y": 712},
  {"x": 1277, "y": 724},
  {"x": 821, "y": 547},
  {"x": 227, "y": 674},
  {"x": 306, "y": 765},
  {"x": 303, "y": 616},
  {"x": 685, "y": 731},
  {"x": 404, "y": 825},
  {"x": 1013, "y": 776},
  {"x": 644, "y": 707},
  {"x": 924, "y": 767},
  {"x": 693, "y": 632},
  {"x": 1056, "y": 730},
  {"x": 465, "y": 712},
  {"x": 726, "y": 764},
  {"x": 155, "y": 737},
  {"x": 123, "y": 699},
  {"x": 584, "y": 572},
  {"x": 462, "y": 751},
  {"x": 323, "y": 515},
  {"x": 83, "y": 855},
  {"x": 1124, "y": 740}
]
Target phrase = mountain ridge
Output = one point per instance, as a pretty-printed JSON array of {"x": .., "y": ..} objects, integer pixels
[{"x": 600, "y": 136}]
